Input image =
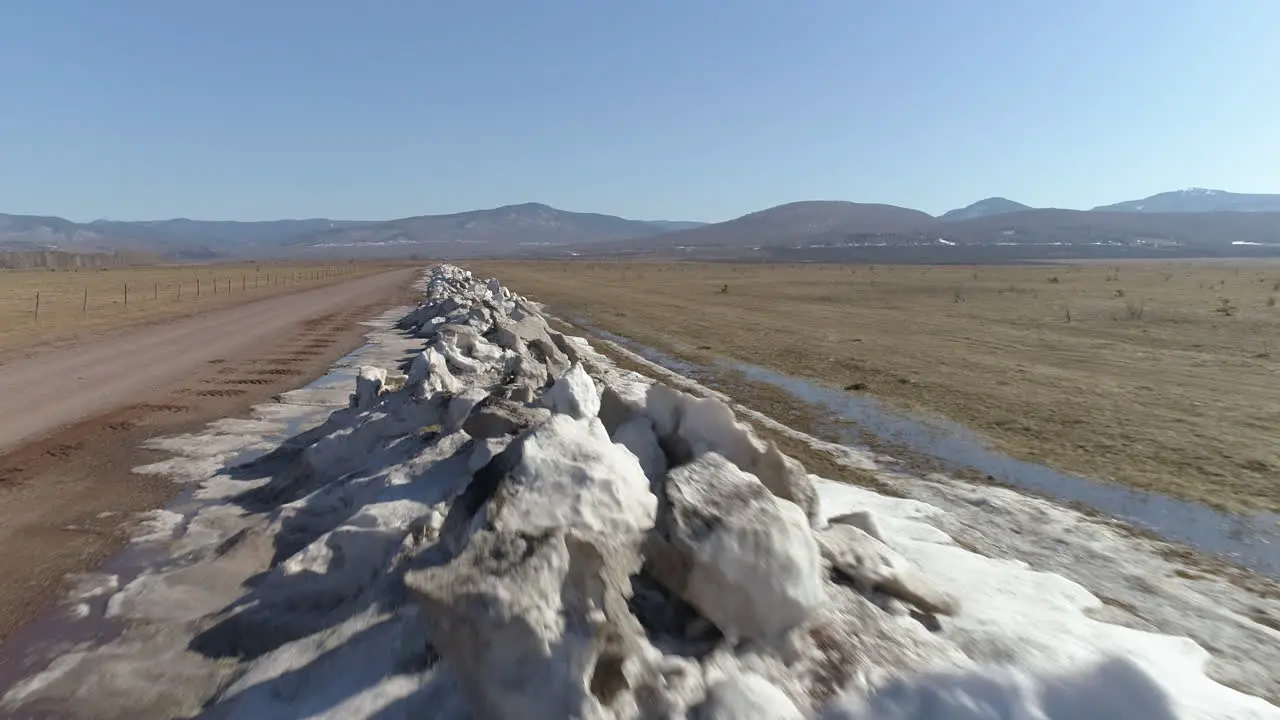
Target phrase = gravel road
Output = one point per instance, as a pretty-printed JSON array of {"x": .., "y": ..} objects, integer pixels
[
  {"x": 48, "y": 390},
  {"x": 73, "y": 421}
]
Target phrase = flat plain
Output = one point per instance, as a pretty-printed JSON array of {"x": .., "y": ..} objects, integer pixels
[
  {"x": 76, "y": 304},
  {"x": 1159, "y": 376}
]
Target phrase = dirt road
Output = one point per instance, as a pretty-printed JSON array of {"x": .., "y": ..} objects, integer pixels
[
  {"x": 41, "y": 393},
  {"x": 73, "y": 420}
]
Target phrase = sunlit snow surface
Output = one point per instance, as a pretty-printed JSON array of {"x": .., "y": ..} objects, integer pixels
[{"x": 1030, "y": 621}]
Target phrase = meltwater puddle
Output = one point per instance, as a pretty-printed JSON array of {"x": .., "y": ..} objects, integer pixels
[{"x": 1251, "y": 541}]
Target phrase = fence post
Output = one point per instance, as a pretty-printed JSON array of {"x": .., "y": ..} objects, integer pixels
[
  {"x": 37, "y": 306},
  {"x": 243, "y": 283},
  {"x": 197, "y": 287},
  {"x": 126, "y": 295},
  {"x": 85, "y": 306}
]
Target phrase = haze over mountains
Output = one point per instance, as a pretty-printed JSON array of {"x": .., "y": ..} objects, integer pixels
[{"x": 1185, "y": 222}]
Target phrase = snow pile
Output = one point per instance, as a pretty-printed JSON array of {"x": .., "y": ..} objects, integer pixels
[{"x": 520, "y": 530}]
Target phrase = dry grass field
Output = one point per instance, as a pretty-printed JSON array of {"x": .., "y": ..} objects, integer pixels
[
  {"x": 1164, "y": 377},
  {"x": 75, "y": 304}
]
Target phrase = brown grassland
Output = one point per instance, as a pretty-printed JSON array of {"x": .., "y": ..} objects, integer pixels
[
  {"x": 74, "y": 304},
  {"x": 1164, "y": 377}
]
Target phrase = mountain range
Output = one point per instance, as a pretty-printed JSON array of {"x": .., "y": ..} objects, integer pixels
[
  {"x": 1193, "y": 221},
  {"x": 482, "y": 232},
  {"x": 475, "y": 232}
]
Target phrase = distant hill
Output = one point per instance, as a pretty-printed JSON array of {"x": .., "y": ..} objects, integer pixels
[
  {"x": 1197, "y": 200},
  {"x": 502, "y": 230},
  {"x": 21, "y": 233},
  {"x": 225, "y": 235},
  {"x": 40, "y": 241},
  {"x": 1076, "y": 227},
  {"x": 985, "y": 208},
  {"x": 833, "y": 232},
  {"x": 178, "y": 239},
  {"x": 497, "y": 231},
  {"x": 1181, "y": 223},
  {"x": 795, "y": 222}
]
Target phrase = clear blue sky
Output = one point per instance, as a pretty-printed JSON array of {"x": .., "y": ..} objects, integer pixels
[{"x": 654, "y": 109}]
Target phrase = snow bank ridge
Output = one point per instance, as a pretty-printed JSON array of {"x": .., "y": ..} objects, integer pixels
[
  {"x": 582, "y": 543},
  {"x": 508, "y": 526}
]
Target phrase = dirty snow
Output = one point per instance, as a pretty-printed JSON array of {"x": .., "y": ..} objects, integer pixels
[{"x": 635, "y": 552}]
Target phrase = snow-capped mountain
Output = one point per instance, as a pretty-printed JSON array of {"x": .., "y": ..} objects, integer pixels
[{"x": 1197, "y": 200}]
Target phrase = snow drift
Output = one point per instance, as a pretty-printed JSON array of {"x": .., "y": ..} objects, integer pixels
[{"x": 513, "y": 528}]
